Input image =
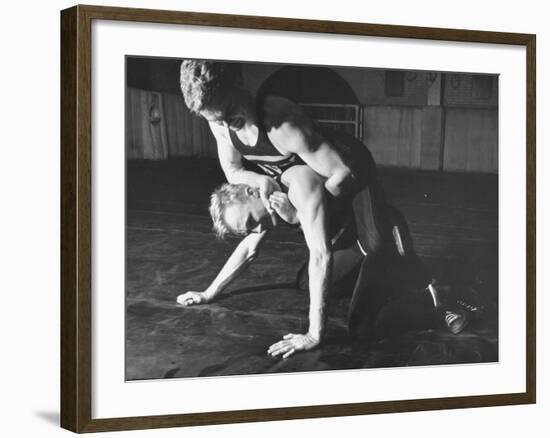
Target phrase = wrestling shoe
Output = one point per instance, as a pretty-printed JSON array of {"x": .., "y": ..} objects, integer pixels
[
  {"x": 471, "y": 308},
  {"x": 455, "y": 320}
]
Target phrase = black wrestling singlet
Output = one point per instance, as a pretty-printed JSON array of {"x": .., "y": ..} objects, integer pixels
[{"x": 265, "y": 155}]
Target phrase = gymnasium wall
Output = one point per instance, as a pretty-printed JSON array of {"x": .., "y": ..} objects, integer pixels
[
  {"x": 433, "y": 138},
  {"x": 406, "y": 130},
  {"x": 159, "y": 126}
]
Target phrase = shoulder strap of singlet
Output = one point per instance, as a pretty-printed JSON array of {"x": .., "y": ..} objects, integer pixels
[
  {"x": 237, "y": 143},
  {"x": 240, "y": 146}
]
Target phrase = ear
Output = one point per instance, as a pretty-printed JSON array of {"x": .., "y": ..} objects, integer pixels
[{"x": 254, "y": 192}]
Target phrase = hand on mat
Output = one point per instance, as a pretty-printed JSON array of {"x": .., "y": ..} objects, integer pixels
[
  {"x": 292, "y": 343},
  {"x": 192, "y": 298},
  {"x": 282, "y": 206},
  {"x": 267, "y": 186}
]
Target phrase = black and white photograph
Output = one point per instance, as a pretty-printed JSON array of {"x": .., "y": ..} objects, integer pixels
[
  {"x": 297, "y": 218},
  {"x": 275, "y": 219}
]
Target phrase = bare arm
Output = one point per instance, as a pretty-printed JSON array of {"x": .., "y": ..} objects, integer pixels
[
  {"x": 307, "y": 194},
  {"x": 232, "y": 166},
  {"x": 314, "y": 226},
  {"x": 243, "y": 255},
  {"x": 294, "y": 133}
]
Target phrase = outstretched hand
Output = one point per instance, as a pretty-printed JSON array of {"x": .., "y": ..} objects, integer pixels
[
  {"x": 192, "y": 298},
  {"x": 292, "y": 343}
]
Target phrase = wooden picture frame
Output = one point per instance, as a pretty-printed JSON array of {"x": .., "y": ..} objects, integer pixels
[{"x": 76, "y": 218}]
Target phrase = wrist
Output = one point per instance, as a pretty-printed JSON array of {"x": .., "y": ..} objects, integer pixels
[
  {"x": 209, "y": 293},
  {"x": 315, "y": 335}
]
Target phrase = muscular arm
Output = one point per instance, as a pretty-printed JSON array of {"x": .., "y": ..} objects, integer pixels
[
  {"x": 314, "y": 225},
  {"x": 293, "y": 132},
  {"x": 307, "y": 194},
  {"x": 243, "y": 255},
  {"x": 232, "y": 166}
]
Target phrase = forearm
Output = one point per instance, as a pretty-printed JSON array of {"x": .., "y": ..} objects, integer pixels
[
  {"x": 243, "y": 255},
  {"x": 341, "y": 182},
  {"x": 239, "y": 175},
  {"x": 329, "y": 164},
  {"x": 231, "y": 160},
  {"x": 319, "y": 279}
]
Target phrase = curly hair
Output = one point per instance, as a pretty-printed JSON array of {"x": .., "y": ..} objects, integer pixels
[
  {"x": 200, "y": 81},
  {"x": 223, "y": 197}
]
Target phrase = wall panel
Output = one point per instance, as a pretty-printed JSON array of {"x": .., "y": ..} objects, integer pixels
[
  {"x": 178, "y": 133},
  {"x": 394, "y": 134},
  {"x": 471, "y": 139}
]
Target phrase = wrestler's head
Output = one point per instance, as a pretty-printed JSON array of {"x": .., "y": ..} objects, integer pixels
[
  {"x": 238, "y": 209},
  {"x": 213, "y": 90}
]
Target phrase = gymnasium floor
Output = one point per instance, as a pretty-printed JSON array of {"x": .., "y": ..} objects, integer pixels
[{"x": 170, "y": 250}]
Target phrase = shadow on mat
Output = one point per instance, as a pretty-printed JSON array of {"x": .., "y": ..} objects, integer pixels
[{"x": 259, "y": 288}]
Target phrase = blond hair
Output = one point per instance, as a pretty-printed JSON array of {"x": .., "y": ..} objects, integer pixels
[{"x": 223, "y": 197}]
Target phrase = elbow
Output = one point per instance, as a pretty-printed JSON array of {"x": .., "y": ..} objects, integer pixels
[
  {"x": 231, "y": 176},
  {"x": 251, "y": 246},
  {"x": 251, "y": 256},
  {"x": 232, "y": 172},
  {"x": 321, "y": 258},
  {"x": 340, "y": 182}
]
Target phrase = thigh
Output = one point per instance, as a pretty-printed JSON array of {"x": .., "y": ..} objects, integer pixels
[
  {"x": 412, "y": 310},
  {"x": 370, "y": 293},
  {"x": 371, "y": 222}
]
